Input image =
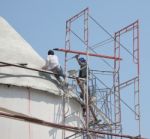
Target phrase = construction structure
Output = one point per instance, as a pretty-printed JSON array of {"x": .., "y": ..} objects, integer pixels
[{"x": 109, "y": 90}]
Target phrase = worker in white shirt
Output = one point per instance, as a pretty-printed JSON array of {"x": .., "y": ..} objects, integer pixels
[{"x": 52, "y": 64}]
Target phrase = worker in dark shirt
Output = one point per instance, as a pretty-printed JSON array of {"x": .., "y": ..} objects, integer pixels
[
  {"x": 82, "y": 83},
  {"x": 83, "y": 67},
  {"x": 82, "y": 74}
]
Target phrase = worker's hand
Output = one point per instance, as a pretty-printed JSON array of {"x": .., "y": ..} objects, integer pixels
[
  {"x": 76, "y": 56},
  {"x": 55, "y": 48}
]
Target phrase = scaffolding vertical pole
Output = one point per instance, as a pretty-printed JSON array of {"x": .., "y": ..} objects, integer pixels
[
  {"x": 116, "y": 83},
  {"x": 83, "y": 13},
  {"x": 87, "y": 79},
  {"x": 67, "y": 46},
  {"x": 63, "y": 113},
  {"x": 136, "y": 81},
  {"x": 67, "y": 42}
]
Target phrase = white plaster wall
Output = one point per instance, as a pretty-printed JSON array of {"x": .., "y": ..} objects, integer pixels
[{"x": 38, "y": 104}]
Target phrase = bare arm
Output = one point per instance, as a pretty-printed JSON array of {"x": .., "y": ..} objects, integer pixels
[{"x": 77, "y": 58}]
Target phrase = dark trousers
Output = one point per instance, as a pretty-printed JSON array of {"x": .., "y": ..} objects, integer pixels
[{"x": 59, "y": 72}]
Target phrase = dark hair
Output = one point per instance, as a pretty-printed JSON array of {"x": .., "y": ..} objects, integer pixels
[{"x": 50, "y": 52}]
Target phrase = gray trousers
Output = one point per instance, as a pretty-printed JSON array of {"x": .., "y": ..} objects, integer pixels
[{"x": 59, "y": 73}]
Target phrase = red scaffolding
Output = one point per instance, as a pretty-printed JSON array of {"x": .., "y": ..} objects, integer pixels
[{"x": 116, "y": 126}]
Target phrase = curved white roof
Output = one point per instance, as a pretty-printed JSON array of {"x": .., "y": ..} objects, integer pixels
[{"x": 14, "y": 49}]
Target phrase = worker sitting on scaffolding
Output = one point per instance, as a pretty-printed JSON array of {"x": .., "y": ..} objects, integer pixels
[{"x": 52, "y": 64}]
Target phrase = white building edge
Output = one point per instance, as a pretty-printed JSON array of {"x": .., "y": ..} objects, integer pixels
[{"x": 30, "y": 92}]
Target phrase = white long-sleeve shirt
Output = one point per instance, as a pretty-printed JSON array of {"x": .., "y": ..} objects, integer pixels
[{"x": 51, "y": 62}]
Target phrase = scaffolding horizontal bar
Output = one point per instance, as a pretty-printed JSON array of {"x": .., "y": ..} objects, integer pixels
[
  {"x": 22, "y": 117},
  {"x": 84, "y": 53},
  {"x": 127, "y": 28},
  {"x": 77, "y": 15},
  {"x": 34, "y": 69}
]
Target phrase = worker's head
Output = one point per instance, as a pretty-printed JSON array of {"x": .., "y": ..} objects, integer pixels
[
  {"x": 50, "y": 52},
  {"x": 81, "y": 59}
]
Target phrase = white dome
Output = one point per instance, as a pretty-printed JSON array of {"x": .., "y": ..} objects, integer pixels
[{"x": 14, "y": 49}]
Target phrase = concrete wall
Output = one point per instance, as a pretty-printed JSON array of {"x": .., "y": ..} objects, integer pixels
[{"x": 38, "y": 104}]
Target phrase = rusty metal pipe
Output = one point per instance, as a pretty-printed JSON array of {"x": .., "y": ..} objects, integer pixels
[{"x": 60, "y": 126}]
